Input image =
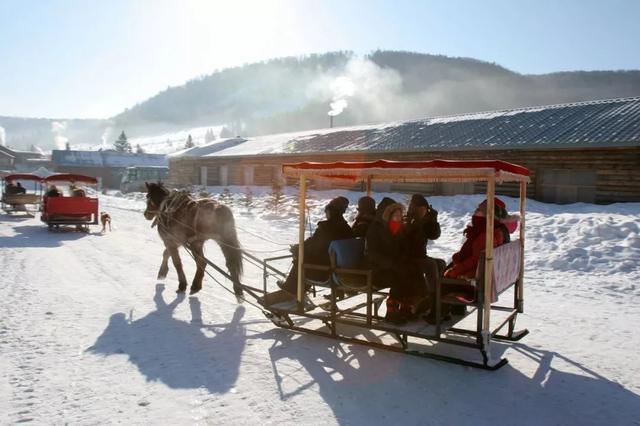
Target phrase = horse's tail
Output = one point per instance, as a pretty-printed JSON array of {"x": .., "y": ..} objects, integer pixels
[{"x": 229, "y": 242}]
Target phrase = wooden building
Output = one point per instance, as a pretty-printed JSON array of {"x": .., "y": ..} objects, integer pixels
[
  {"x": 21, "y": 161},
  {"x": 108, "y": 166},
  {"x": 586, "y": 151}
]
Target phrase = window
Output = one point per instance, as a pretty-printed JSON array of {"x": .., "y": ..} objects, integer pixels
[{"x": 563, "y": 186}]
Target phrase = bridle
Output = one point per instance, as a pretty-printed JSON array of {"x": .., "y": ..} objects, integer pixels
[{"x": 151, "y": 210}]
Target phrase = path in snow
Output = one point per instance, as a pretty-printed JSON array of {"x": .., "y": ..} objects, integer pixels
[{"x": 87, "y": 335}]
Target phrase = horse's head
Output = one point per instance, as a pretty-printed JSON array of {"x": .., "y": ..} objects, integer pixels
[{"x": 156, "y": 192}]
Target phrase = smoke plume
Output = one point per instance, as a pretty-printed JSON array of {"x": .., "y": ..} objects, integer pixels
[{"x": 57, "y": 128}]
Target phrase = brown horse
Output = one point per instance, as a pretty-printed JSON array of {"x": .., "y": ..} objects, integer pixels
[{"x": 185, "y": 221}]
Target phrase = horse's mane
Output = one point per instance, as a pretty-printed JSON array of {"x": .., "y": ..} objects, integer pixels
[{"x": 170, "y": 206}]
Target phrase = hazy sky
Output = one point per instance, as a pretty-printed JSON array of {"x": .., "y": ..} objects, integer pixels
[{"x": 83, "y": 59}]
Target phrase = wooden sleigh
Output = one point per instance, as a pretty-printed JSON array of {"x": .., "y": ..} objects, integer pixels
[{"x": 346, "y": 305}]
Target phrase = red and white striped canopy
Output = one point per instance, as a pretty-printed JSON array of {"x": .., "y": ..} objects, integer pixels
[{"x": 412, "y": 171}]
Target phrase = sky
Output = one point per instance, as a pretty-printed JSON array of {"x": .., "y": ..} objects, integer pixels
[{"x": 80, "y": 59}]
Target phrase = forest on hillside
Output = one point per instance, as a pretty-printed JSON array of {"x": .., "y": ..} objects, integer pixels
[{"x": 297, "y": 93}]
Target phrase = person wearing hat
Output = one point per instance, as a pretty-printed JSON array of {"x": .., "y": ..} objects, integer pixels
[
  {"x": 11, "y": 188},
  {"x": 53, "y": 192},
  {"x": 366, "y": 215},
  {"x": 316, "y": 247},
  {"x": 386, "y": 255},
  {"x": 465, "y": 262},
  {"x": 422, "y": 226}
]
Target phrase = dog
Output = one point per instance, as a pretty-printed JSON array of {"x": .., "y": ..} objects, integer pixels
[{"x": 105, "y": 219}]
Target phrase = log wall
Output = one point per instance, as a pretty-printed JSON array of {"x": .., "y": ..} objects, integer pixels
[{"x": 617, "y": 170}]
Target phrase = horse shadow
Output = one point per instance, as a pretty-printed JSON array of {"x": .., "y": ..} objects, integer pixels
[
  {"x": 178, "y": 353},
  {"x": 369, "y": 386},
  {"x": 37, "y": 236}
]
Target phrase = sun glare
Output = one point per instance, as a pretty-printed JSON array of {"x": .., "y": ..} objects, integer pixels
[{"x": 232, "y": 33}]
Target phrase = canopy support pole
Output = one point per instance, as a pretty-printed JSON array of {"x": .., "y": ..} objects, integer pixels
[
  {"x": 520, "y": 283},
  {"x": 302, "y": 210},
  {"x": 488, "y": 265}
]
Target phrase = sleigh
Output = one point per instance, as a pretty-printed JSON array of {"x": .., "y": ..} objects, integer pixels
[
  {"x": 346, "y": 306},
  {"x": 28, "y": 201},
  {"x": 73, "y": 208}
]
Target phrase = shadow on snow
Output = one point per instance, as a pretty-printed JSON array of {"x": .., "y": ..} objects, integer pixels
[
  {"x": 176, "y": 352},
  {"x": 364, "y": 385},
  {"x": 368, "y": 386},
  {"x": 39, "y": 236}
]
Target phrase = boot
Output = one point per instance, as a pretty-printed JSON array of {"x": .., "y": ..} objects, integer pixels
[{"x": 394, "y": 312}]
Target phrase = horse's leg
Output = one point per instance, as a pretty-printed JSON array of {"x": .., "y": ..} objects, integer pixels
[
  {"x": 233, "y": 258},
  {"x": 177, "y": 263},
  {"x": 197, "y": 248},
  {"x": 164, "y": 266}
]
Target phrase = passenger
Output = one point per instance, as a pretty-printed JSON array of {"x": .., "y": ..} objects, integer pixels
[
  {"x": 465, "y": 262},
  {"x": 422, "y": 226},
  {"x": 76, "y": 191},
  {"x": 382, "y": 205},
  {"x": 20, "y": 189},
  {"x": 316, "y": 247},
  {"x": 11, "y": 188},
  {"x": 366, "y": 215},
  {"x": 386, "y": 255},
  {"x": 53, "y": 192}
]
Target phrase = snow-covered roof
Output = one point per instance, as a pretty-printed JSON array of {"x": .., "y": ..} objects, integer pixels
[
  {"x": 106, "y": 159},
  {"x": 613, "y": 122},
  {"x": 210, "y": 148}
]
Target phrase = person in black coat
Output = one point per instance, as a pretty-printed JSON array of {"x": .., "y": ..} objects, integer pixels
[
  {"x": 11, "y": 188},
  {"x": 386, "y": 254},
  {"x": 366, "y": 215},
  {"x": 422, "y": 226},
  {"x": 316, "y": 247},
  {"x": 20, "y": 189},
  {"x": 53, "y": 192}
]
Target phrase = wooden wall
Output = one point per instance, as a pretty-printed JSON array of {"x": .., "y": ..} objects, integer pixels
[{"x": 617, "y": 170}]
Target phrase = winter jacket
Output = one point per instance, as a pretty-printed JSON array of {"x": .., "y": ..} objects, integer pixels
[
  {"x": 465, "y": 261},
  {"x": 361, "y": 224},
  {"x": 316, "y": 250},
  {"x": 419, "y": 231},
  {"x": 316, "y": 247},
  {"x": 386, "y": 255}
]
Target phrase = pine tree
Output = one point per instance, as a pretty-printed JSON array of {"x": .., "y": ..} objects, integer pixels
[
  {"x": 189, "y": 143},
  {"x": 122, "y": 144},
  {"x": 209, "y": 136},
  {"x": 226, "y": 133},
  {"x": 139, "y": 149}
]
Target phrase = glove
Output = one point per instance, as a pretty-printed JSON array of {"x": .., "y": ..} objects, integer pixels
[{"x": 432, "y": 215}]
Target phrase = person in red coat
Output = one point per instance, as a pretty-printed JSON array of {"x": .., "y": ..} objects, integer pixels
[{"x": 465, "y": 261}]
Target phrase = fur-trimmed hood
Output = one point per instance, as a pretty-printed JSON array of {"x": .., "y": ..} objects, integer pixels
[{"x": 390, "y": 209}]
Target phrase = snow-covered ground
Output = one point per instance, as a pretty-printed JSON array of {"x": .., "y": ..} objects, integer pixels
[{"x": 89, "y": 336}]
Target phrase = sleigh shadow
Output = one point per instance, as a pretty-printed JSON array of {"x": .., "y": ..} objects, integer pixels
[{"x": 370, "y": 386}]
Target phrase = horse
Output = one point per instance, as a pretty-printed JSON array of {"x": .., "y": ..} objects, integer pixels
[{"x": 185, "y": 221}]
